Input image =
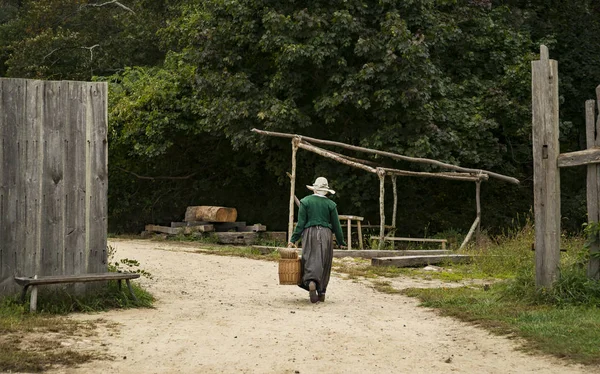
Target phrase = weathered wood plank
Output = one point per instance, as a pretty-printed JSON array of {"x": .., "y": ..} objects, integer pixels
[
  {"x": 546, "y": 149},
  {"x": 407, "y": 261},
  {"x": 585, "y": 157},
  {"x": 423, "y": 240},
  {"x": 20, "y": 166},
  {"x": 56, "y": 279},
  {"x": 253, "y": 228},
  {"x": 180, "y": 230},
  {"x": 52, "y": 182},
  {"x": 75, "y": 177},
  {"x": 238, "y": 238},
  {"x": 33, "y": 175},
  {"x": 97, "y": 176},
  {"x": 593, "y": 188},
  {"x": 12, "y": 90},
  {"x": 187, "y": 224},
  {"x": 5, "y": 282}
]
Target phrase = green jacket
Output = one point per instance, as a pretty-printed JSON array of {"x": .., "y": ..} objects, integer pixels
[{"x": 318, "y": 211}]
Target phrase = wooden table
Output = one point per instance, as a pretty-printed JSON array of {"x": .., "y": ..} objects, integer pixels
[{"x": 358, "y": 220}]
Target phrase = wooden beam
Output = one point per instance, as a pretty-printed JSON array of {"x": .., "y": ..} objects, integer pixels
[
  {"x": 179, "y": 230},
  {"x": 327, "y": 154},
  {"x": 470, "y": 233},
  {"x": 406, "y": 261},
  {"x": 578, "y": 158},
  {"x": 389, "y": 154},
  {"x": 295, "y": 143},
  {"x": 421, "y": 240},
  {"x": 546, "y": 175},
  {"x": 395, "y": 190},
  {"x": 381, "y": 175},
  {"x": 296, "y": 200},
  {"x": 452, "y": 176}
]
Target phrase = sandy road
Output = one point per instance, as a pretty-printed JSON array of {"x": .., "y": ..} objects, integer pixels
[{"x": 228, "y": 315}]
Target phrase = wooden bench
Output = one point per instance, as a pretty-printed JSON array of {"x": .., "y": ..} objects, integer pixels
[
  {"x": 358, "y": 220},
  {"x": 443, "y": 241},
  {"x": 27, "y": 282}
]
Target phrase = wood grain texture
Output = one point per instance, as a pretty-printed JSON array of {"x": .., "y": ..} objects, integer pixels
[
  {"x": 593, "y": 185},
  {"x": 43, "y": 178},
  {"x": 210, "y": 214},
  {"x": 546, "y": 173}
]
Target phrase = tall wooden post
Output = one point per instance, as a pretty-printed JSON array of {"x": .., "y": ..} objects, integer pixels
[
  {"x": 295, "y": 142},
  {"x": 593, "y": 180},
  {"x": 381, "y": 175},
  {"x": 478, "y": 203},
  {"x": 395, "y": 212},
  {"x": 546, "y": 176}
]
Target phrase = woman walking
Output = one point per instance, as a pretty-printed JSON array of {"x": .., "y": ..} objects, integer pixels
[{"x": 317, "y": 218}]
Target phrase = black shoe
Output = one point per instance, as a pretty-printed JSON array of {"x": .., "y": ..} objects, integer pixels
[
  {"x": 312, "y": 292},
  {"x": 322, "y": 297}
]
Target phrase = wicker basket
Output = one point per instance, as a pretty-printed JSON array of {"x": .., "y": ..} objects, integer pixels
[{"x": 289, "y": 271}]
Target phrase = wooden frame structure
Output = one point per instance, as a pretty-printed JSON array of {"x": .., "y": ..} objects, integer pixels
[
  {"x": 459, "y": 173},
  {"x": 547, "y": 160}
]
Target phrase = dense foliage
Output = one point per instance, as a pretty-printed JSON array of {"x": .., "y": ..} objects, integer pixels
[{"x": 443, "y": 79}]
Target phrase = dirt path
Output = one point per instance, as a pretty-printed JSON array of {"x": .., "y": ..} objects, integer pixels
[{"x": 228, "y": 315}]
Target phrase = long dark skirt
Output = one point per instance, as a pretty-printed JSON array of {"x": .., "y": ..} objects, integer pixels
[{"x": 317, "y": 256}]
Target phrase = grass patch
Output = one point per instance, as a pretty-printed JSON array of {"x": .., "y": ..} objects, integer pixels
[
  {"x": 385, "y": 287},
  {"x": 571, "y": 332},
  {"x": 31, "y": 342}
]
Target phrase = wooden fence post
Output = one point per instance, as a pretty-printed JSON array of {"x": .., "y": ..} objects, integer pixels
[
  {"x": 478, "y": 204},
  {"x": 395, "y": 212},
  {"x": 295, "y": 142},
  {"x": 593, "y": 181},
  {"x": 546, "y": 180},
  {"x": 381, "y": 175}
]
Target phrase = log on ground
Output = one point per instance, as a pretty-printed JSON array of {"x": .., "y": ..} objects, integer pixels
[
  {"x": 407, "y": 261},
  {"x": 179, "y": 230},
  {"x": 210, "y": 214}
]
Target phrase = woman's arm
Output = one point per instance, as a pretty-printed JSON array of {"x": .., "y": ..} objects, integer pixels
[
  {"x": 302, "y": 218},
  {"x": 337, "y": 228}
]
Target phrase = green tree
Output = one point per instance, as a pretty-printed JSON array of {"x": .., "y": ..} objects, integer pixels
[{"x": 441, "y": 79}]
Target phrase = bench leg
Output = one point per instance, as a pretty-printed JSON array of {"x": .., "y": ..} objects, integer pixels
[
  {"x": 24, "y": 294},
  {"x": 349, "y": 234},
  {"x": 119, "y": 283},
  {"x": 33, "y": 299},
  {"x": 131, "y": 290},
  {"x": 360, "y": 239}
]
